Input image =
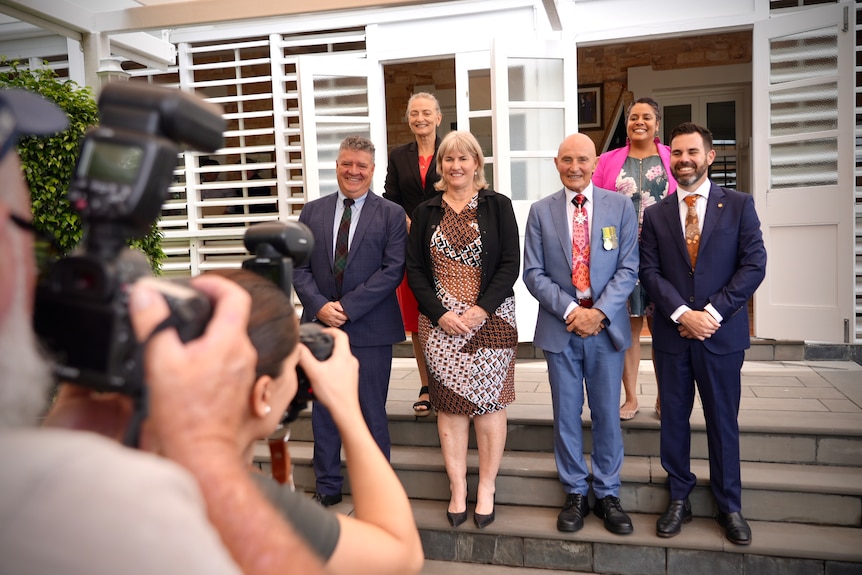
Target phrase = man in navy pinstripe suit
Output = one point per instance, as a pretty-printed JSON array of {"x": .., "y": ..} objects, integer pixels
[{"x": 364, "y": 305}]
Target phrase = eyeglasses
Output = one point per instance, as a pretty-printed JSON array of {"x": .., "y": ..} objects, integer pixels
[{"x": 45, "y": 248}]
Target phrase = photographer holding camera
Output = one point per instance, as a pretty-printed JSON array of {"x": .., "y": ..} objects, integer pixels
[
  {"x": 74, "y": 502},
  {"x": 383, "y": 520}
]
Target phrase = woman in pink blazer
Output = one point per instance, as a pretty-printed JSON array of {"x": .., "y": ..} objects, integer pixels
[{"x": 641, "y": 171}]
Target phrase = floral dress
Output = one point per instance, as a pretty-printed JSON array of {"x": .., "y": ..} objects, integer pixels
[
  {"x": 470, "y": 374},
  {"x": 645, "y": 182}
]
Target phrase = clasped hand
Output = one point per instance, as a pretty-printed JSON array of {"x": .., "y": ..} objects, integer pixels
[
  {"x": 332, "y": 314},
  {"x": 463, "y": 324},
  {"x": 698, "y": 325},
  {"x": 585, "y": 322}
]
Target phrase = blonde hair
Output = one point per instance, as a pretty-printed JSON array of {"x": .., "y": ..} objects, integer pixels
[{"x": 464, "y": 142}]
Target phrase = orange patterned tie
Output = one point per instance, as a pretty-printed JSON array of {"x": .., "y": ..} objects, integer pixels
[
  {"x": 580, "y": 245},
  {"x": 692, "y": 229}
]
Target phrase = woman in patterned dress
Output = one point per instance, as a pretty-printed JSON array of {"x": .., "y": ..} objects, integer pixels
[
  {"x": 640, "y": 170},
  {"x": 462, "y": 262}
]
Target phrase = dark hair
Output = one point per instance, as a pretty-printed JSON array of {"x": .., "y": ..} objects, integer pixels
[
  {"x": 272, "y": 325},
  {"x": 649, "y": 101},
  {"x": 692, "y": 128}
]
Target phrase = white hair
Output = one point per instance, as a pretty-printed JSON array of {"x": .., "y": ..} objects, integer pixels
[{"x": 25, "y": 376}]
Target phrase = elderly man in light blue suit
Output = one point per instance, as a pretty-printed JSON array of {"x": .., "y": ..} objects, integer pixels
[{"x": 584, "y": 331}]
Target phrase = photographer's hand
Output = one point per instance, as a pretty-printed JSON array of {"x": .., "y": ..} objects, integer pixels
[
  {"x": 336, "y": 380},
  {"x": 196, "y": 391},
  {"x": 194, "y": 387},
  {"x": 383, "y": 519}
]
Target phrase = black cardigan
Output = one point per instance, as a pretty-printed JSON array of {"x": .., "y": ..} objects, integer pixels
[{"x": 501, "y": 252}]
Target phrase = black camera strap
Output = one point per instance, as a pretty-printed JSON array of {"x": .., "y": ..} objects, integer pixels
[{"x": 140, "y": 400}]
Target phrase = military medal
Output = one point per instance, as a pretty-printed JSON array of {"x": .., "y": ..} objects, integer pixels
[{"x": 609, "y": 238}]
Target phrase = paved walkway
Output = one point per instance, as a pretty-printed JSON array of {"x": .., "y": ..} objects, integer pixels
[{"x": 820, "y": 394}]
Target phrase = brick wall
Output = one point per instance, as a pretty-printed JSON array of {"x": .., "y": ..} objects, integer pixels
[
  {"x": 606, "y": 65},
  {"x": 401, "y": 82}
]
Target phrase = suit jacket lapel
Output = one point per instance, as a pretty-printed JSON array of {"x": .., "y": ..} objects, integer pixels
[
  {"x": 329, "y": 218},
  {"x": 714, "y": 205},
  {"x": 560, "y": 218},
  {"x": 670, "y": 212},
  {"x": 366, "y": 216},
  {"x": 413, "y": 160}
]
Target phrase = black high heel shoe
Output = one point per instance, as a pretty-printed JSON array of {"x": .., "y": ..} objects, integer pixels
[
  {"x": 483, "y": 521},
  {"x": 456, "y": 519}
]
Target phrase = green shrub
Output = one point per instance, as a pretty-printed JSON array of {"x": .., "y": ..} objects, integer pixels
[{"x": 48, "y": 162}]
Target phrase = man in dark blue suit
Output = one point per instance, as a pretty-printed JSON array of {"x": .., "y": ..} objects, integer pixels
[
  {"x": 357, "y": 296},
  {"x": 701, "y": 265}
]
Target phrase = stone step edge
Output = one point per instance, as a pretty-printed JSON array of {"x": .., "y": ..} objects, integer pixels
[
  {"x": 436, "y": 567},
  {"x": 761, "y": 349},
  {"x": 783, "y": 477},
  {"x": 754, "y": 423},
  {"x": 836, "y": 425},
  {"x": 777, "y": 539}
]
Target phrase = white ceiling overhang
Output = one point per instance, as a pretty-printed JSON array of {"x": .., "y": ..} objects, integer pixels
[
  {"x": 75, "y": 17},
  {"x": 134, "y": 27}
]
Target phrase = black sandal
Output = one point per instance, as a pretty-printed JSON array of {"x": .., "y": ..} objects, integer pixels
[{"x": 423, "y": 407}]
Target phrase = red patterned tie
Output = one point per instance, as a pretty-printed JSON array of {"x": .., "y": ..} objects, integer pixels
[{"x": 580, "y": 245}]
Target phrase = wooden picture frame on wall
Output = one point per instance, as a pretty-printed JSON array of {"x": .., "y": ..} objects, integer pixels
[
  {"x": 590, "y": 107},
  {"x": 615, "y": 134}
]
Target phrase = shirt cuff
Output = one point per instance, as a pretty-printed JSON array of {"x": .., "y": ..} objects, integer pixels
[
  {"x": 713, "y": 312},
  {"x": 678, "y": 312},
  {"x": 569, "y": 310}
]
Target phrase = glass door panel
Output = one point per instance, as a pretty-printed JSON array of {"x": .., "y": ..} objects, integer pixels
[
  {"x": 473, "y": 71},
  {"x": 334, "y": 104}
]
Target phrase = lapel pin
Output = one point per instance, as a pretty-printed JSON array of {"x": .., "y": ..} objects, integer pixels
[{"x": 720, "y": 205}]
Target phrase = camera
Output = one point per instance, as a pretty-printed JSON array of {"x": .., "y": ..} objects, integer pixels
[
  {"x": 118, "y": 186},
  {"x": 277, "y": 247}
]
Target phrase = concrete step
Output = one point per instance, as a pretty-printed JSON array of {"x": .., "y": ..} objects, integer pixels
[
  {"x": 526, "y": 537},
  {"x": 801, "y": 444},
  {"x": 452, "y": 568},
  {"x": 769, "y": 437},
  {"x": 776, "y": 492},
  {"x": 760, "y": 350}
]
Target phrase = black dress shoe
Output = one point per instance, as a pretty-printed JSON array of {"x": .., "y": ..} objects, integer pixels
[
  {"x": 616, "y": 520},
  {"x": 483, "y": 521},
  {"x": 571, "y": 518},
  {"x": 735, "y": 526},
  {"x": 327, "y": 500},
  {"x": 670, "y": 523}
]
